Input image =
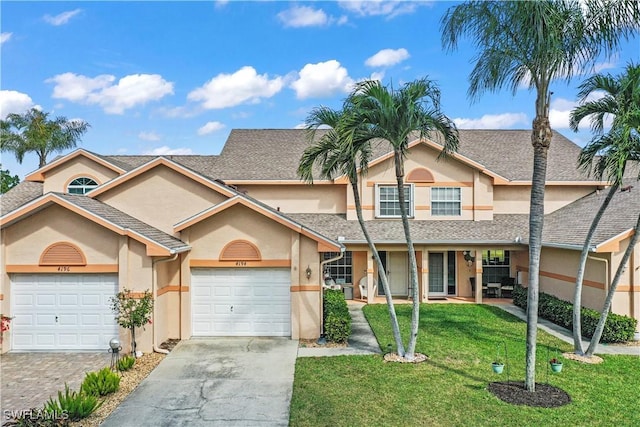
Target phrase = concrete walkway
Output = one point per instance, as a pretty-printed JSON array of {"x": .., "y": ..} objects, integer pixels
[
  {"x": 567, "y": 335},
  {"x": 361, "y": 342},
  {"x": 215, "y": 382}
]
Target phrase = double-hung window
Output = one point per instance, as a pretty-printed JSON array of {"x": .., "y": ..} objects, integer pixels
[
  {"x": 388, "y": 205},
  {"x": 445, "y": 201}
]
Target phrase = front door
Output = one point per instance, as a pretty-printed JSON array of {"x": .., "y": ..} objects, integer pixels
[
  {"x": 396, "y": 266},
  {"x": 437, "y": 276}
]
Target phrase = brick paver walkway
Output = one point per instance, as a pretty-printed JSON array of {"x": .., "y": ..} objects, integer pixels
[{"x": 28, "y": 379}]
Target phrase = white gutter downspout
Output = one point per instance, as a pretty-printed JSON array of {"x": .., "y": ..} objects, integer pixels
[
  {"x": 322, "y": 264},
  {"x": 153, "y": 290},
  {"x": 606, "y": 272}
]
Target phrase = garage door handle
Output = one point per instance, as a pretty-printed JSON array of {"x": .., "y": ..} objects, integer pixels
[
  {"x": 232, "y": 309},
  {"x": 56, "y": 319}
]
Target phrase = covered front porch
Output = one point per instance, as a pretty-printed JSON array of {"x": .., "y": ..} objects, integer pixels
[{"x": 445, "y": 274}]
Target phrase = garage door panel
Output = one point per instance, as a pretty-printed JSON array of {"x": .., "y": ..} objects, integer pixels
[
  {"x": 63, "y": 311},
  {"x": 260, "y": 298}
]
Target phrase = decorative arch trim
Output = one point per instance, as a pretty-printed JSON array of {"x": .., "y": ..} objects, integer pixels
[
  {"x": 240, "y": 250},
  {"x": 62, "y": 253},
  {"x": 420, "y": 175}
]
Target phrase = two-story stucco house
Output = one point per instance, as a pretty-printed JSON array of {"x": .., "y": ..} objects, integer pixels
[{"x": 236, "y": 244}]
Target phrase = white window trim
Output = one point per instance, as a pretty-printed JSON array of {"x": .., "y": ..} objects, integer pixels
[
  {"x": 85, "y": 187},
  {"x": 411, "y": 201},
  {"x": 445, "y": 201}
]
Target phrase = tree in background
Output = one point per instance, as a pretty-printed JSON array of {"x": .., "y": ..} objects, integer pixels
[
  {"x": 34, "y": 132},
  {"x": 7, "y": 181},
  {"x": 531, "y": 44},
  {"x": 606, "y": 155}
]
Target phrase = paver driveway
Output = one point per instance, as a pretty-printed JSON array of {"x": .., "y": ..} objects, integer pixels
[
  {"x": 215, "y": 382},
  {"x": 28, "y": 379}
]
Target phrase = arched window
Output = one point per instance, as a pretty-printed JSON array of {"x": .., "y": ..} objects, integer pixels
[{"x": 81, "y": 185}]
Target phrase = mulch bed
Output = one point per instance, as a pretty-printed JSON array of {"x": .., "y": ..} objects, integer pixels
[{"x": 545, "y": 396}]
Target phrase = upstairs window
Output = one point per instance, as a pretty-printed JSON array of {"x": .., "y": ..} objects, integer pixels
[
  {"x": 388, "y": 205},
  {"x": 445, "y": 201},
  {"x": 81, "y": 185}
]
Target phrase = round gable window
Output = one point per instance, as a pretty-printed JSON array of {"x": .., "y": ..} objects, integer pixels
[{"x": 81, "y": 185}]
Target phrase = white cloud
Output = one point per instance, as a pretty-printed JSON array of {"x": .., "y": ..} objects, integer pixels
[
  {"x": 167, "y": 151},
  {"x": 377, "y": 76},
  {"x": 130, "y": 91},
  {"x": 387, "y": 57},
  {"x": 381, "y": 7},
  {"x": 12, "y": 101},
  {"x": 303, "y": 16},
  {"x": 62, "y": 18},
  {"x": 243, "y": 86},
  {"x": 560, "y": 112},
  {"x": 4, "y": 37},
  {"x": 210, "y": 127},
  {"x": 492, "y": 121},
  {"x": 149, "y": 136},
  {"x": 322, "y": 80}
]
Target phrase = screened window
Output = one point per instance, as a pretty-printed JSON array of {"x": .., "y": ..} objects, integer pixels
[
  {"x": 389, "y": 202},
  {"x": 81, "y": 185},
  {"x": 445, "y": 201},
  {"x": 340, "y": 270},
  {"x": 496, "y": 264}
]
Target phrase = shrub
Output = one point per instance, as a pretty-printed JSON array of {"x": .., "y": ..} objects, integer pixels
[
  {"x": 75, "y": 404},
  {"x": 125, "y": 363},
  {"x": 100, "y": 383},
  {"x": 617, "y": 328},
  {"x": 337, "y": 320}
]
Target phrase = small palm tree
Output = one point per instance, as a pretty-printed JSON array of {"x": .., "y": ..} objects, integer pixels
[
  {"x": 606, "y": 155},
  {"x": 396, "y": 116},
  {"x": 344, "y": 150},
  {"x": 531, "y": 44},
  {"x": 33, "y": 131}
]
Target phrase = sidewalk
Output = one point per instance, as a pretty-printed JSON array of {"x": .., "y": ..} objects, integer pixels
[
  {"x": 566, "y": 335},
  {"x": 361, "y": 342}
]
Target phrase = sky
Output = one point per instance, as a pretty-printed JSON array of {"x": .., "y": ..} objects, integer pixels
[{"x": 163, "y": 77}]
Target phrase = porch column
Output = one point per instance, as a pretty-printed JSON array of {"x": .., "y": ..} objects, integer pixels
[
  {"x": 425, "y": 276},
  {"x": 370, "y": 278},
  {"x": 478, "y": 269}
]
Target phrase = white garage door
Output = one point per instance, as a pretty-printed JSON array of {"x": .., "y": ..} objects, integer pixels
[
  {"x": 63, "y": 311},
  {"x": 241, "y": 302}
]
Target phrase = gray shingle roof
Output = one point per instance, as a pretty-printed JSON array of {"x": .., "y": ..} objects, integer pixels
[
  {"x": 123, "y": 220},
  {"x": 570, "y": 224},
  {"x": 22, "y": 193},
  {"x": 503, "y": 229}
]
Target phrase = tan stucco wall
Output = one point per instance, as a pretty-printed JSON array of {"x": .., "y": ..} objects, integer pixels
[
  {"x": 161, "y": 197},
  {"x": 476, "y": 188},
  {"x": 300, "y": 198},
  {"x": 515, "y": 199},
  {"x": 59, "y": 177},
  {"x": 627, "y": 297}
]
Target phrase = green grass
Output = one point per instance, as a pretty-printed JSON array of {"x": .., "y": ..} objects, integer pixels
[{"x": 450, "y": 388}]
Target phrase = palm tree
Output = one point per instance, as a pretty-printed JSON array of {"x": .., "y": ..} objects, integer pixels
[
  {"x": 533, "y": 43},
  {"x": 607, "y": 154},
  {"x": 394, "y": 116},
  {"x": 344, "y": 149},
  {"x": 34, "y": 132}
]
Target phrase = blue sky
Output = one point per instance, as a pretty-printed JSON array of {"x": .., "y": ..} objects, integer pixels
[{"x": 176, "y": 77}]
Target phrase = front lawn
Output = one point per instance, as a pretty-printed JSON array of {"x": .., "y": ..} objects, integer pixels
[{"x": 450, "y": 388}]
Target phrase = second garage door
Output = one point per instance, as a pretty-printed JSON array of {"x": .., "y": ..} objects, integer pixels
[{"x": 241, "y": 301}]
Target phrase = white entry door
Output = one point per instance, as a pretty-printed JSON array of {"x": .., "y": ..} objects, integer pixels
[
  {"x": 241, "y": 301},
  {"x": 62, "y": 311},
  {"x": 397, "y": 270}
]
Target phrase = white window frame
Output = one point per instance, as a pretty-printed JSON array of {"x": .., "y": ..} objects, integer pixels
[
  {"x": 411, "y": 200},
  {"x": 85, "y": 188},
  {"x": 445, "y": 200}
]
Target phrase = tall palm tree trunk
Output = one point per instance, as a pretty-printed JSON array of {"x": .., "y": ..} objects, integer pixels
[
  {"x": 540, "y": 139},
  {"x": 595, "y": 339},
  {"x": 395, "y": 327},
  {"x": 413, "y": 267},
  {"x": 577, "y": 295}
]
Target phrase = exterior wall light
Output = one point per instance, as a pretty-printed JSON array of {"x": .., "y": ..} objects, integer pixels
[
  {"x": 468, "y": 258},
  {"x": 308, "y": 272}
]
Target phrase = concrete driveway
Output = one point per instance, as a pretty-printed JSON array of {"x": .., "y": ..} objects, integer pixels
[{"x": 215, "y": 382}]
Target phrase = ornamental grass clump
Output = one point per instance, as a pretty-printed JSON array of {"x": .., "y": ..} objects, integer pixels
[
  {"x": 125, "y": 363},
  {"x": 101, "y": 383},
  {"x": 76, "y": 405}
]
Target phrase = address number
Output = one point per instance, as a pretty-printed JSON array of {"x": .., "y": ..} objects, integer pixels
[
  {"x": 241, "y": 263},
  {"x": 64, "y": 268}
]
